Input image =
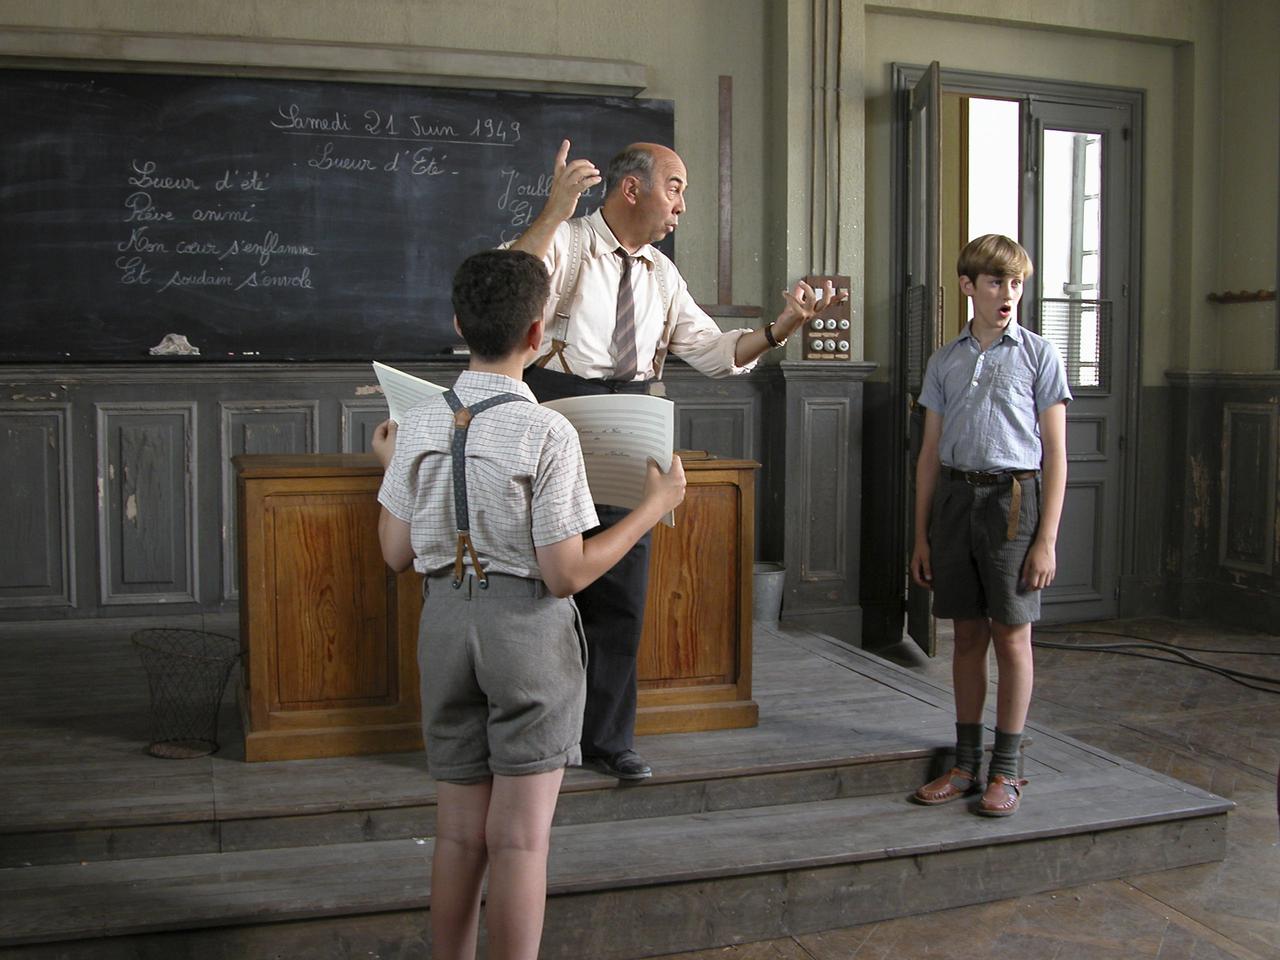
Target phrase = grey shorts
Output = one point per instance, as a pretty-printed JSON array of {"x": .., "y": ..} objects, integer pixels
[
  {"x": 503, "y": 674},
  {"x": 977, "y": 569}
]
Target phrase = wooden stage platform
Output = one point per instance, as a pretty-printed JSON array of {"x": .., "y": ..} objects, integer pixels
[{"x": 799, "y": 824}]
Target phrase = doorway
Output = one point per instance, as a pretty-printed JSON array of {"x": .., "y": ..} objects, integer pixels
[{"x": 1053, "y": 165}]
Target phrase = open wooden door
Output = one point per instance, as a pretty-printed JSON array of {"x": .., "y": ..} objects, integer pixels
[{"x": 922, "y": 307}]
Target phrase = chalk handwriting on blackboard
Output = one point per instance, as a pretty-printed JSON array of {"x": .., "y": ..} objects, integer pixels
[
  {"x": 267, "y": 218},
  {"x": 144, "y": 176},
  {"x": 292, "y": 118},
  {"x": 142, "y": 269}
]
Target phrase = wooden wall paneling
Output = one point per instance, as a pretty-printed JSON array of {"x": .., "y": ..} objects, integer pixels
[
  {"x": 259, "y": 427},
  {"x": 1087, "y": 439},
  {"x": 736, "y": 418},
  {"x": 825, "y": 478},
  {"x": 1247, "y": 534},
  {"x": 722, "y": 427},
  {"x": 1081, "y": 545},
  {"x": 147, "y": 483},
  {"x": 36, "y": 564},
  {"x": 359, "y": 418},
  {"x": 823, "y": 488}
]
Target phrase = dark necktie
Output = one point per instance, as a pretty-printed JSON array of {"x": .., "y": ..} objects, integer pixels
[{"x": 624, "y": 330}]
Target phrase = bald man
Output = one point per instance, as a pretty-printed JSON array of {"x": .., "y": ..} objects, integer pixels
[{"x": 617, "y": 306}]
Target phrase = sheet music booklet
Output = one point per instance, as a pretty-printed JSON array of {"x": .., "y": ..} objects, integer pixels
[{"x": 618, "y": 433}]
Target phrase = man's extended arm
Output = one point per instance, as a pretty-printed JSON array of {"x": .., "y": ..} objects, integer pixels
[{"x": 803, "y": 303}]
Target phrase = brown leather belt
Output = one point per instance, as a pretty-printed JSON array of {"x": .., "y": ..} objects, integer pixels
[{"x": 977, "y": 478}]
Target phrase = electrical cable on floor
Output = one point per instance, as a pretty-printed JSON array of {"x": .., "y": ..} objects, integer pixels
[
  {"x": 1178, "y": 656},
  {"x": 1134, "y": 636}
]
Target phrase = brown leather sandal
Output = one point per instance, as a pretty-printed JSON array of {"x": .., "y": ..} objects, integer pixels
[
  {"x": 1002, "y": 796},
  {"x": 952, "y": 785}
]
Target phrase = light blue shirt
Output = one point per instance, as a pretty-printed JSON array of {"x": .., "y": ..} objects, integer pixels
[{"x": 990, "y": 401}]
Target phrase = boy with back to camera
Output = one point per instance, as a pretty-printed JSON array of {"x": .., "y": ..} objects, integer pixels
[
  {"x": 490, "y": 504},
  {"x": 989, "y": 488}
]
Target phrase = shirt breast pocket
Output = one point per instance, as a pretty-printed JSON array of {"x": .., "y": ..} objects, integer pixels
[{"x": 1014, "y": 385}]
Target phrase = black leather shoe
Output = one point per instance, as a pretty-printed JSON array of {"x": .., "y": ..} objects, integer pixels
[{"x": 625, "y": 765}]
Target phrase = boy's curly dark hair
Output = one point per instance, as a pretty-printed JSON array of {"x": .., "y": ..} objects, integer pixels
[{"x": 497, "y": 294}]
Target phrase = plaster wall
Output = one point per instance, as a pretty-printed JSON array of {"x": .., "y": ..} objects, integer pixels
[{"x": 1250, "y": 162}]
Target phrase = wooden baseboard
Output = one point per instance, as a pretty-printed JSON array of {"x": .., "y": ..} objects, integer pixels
[
  {"x": 691, "y": 717},
  {"x": 331, "y": 742}
]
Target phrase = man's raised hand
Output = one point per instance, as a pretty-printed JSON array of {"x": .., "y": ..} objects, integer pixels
[{"x": 570, "y": 179}]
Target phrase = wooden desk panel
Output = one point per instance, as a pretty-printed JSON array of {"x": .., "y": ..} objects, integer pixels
[
  {"x": 695, "y": 654},
  {"x": 329, "y": 633}
]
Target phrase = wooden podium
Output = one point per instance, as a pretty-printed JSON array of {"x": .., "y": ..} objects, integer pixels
[{"x": 330, "y": 634}]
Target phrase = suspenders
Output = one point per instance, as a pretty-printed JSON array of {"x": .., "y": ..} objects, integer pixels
[
  {"x": 560, "y": 333},
  {"x": 573, "y": 268},
  {"x": 462, "y": 417}
]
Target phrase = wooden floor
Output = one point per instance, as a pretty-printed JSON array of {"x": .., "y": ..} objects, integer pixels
[
  {"x": 98, "y": 838},
  {"x": 1187, "y": 723}
]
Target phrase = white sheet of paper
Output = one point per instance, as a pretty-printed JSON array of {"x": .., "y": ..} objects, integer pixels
[
  {"x": 403, "y": 390},
  {"x": 619, "y": 432}
]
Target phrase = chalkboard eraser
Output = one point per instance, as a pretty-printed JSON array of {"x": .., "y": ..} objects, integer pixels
[{"x": 460, "y": 350}]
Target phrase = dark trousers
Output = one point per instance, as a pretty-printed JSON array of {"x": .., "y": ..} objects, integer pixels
[
  {"x": 612, "y": 611},
  {"x": 612, "y": 608}
]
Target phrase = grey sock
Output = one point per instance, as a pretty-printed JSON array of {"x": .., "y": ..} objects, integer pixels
[
  {"x": 1004, "y": 759},
  {"x": 969, "y": 747}
]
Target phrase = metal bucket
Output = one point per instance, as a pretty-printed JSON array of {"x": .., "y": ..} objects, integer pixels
[{"x": 767, "y": 581}]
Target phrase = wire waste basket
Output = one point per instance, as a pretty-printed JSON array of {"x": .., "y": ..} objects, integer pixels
[{"x": 187, "y": 671}]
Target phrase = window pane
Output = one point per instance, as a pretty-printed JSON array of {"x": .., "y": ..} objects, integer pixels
[
  {"x": 1071, "y": 245},
  {"x": 1073, "y": 313}
]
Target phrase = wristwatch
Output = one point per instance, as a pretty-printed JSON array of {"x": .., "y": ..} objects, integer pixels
[{"x": 768, "y": 335}]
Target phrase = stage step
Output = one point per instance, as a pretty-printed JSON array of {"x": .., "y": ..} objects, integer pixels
[
  {"x": 839, "y": 724},
  {"x": 586, "y": 798},
  {"x": 682, "y": 882},
  {"x": 829, "y": 732},
  {"x": 797, "y": 825}
]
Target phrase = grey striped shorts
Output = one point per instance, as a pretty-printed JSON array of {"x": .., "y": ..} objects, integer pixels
[{"x": 503, "y": 676}]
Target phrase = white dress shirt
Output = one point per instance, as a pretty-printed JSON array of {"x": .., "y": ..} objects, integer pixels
[{"x": 689, "y": 332}]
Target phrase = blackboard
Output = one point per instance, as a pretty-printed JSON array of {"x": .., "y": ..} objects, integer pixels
[{"x": 267, "y": 219}]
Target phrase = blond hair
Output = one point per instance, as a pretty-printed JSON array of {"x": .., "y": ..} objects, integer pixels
[{"x": 995, "y": 255}]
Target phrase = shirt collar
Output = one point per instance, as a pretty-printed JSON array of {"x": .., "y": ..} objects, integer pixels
[
  {"x": 604, "y": 242},
  {"x": 1012, "y": 331},
  {"x": 493, "y": 383}
]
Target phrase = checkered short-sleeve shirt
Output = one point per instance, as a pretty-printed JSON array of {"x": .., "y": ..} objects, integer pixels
[{"x": 526, "y": 482}]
